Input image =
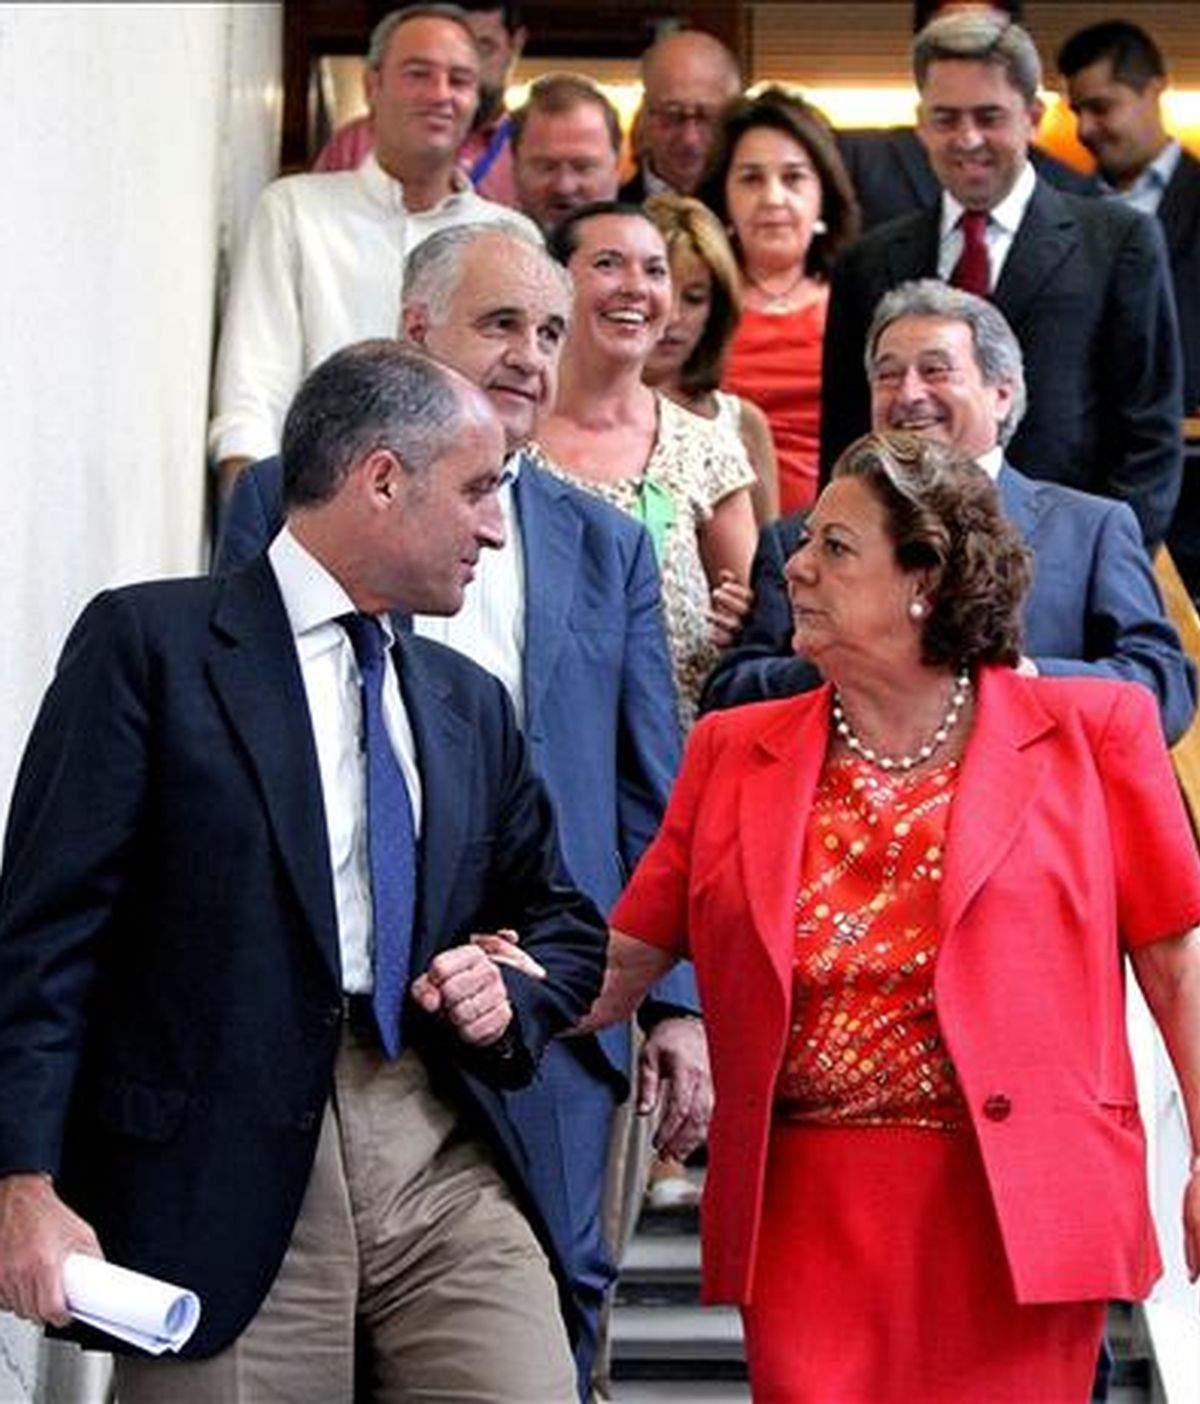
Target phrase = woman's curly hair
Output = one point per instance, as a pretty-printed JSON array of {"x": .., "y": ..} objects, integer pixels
[{"x": 944, "y": 518}]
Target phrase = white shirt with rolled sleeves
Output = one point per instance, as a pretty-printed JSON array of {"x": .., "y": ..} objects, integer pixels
[{"x": 322, "y": 267}]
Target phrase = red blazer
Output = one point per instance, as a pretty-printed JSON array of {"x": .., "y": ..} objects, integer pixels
[{"x": 1067, "y": 841}]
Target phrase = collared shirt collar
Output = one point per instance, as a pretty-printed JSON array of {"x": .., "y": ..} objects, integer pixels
[
  {"x": 1007, "y": 215},
  {"x": 992, "y": 461},
  {"x": 311, "y": 595},
  {"x": 388, "y": 191},
  {"x": 1146, "y": 192},
  {"x": 1164, "y": 164}
]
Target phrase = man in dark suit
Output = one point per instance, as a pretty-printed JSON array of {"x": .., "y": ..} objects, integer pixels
[
  {"x": 945, "y": 364},
  {"x": 890, "y": 171},
  {"x": 237, "y": 837},
  {"x": 889, "y": 168},
  {"x": 569, "y": 615},
  {"x": 1115, "y": 78},
  {"x": 1084, "y": 283}
]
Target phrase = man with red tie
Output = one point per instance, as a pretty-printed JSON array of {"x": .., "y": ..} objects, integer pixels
[{"x": 1084, "y": 283}]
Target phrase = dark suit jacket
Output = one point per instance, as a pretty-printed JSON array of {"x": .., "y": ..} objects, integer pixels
[
  {"x": 891, "y": 174},
  {"x": 600, "y": 713},
  {"x": 602, "y": 727},
  {"x": 1094, "y": 607},
  {"x": 1086, "y": 289},
  {"x": 169, "y": 968},
  {"x": 1179, "y": 215},
  {"x": 634, "y": 191}
]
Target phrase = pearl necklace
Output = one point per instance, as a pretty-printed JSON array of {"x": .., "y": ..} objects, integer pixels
[{"x": 962, "y": 687}]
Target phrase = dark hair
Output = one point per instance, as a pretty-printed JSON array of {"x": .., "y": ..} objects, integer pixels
[
  {"x": 556, "y": 93},
  {"x": 372, "y": 395},
  {"x": 944, "y": 518},
  {"x": 786, "y": 112},
  {"x": 510, "y": 11},
  {"x": 925, "y": 10},
  {"x": 563, "y": 240},
  {"x": 1134, "y": 57}
]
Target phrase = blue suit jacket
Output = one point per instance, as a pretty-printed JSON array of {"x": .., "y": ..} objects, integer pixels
[
  {"x": 1093, "y": 608},
  {"x": 600, "y": 710},
  {"x": 170, "y": 989}
]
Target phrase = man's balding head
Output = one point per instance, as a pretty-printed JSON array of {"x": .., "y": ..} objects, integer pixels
[
  {"x": 489, "y": 301},
  {"x": 688, "y": 77}
]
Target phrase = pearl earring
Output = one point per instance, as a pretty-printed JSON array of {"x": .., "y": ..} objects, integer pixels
[
  {"x": 916, "y": 610},
  {"x": 820, "y": 227}
]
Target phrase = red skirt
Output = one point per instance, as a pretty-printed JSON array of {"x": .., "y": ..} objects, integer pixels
[{"x": 881, "y": 1279}]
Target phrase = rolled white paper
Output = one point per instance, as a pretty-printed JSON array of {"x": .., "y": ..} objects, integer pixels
[{"x": 143, "y": 1311}]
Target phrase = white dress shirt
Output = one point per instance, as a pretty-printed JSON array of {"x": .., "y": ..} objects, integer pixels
[
  {"x": 322, "y": 267},
  {"x": 490, "y": 627},
  {"x": 992, "y": 461},
  {"x": 1003, "y": 223},
  {"x": 314, "y": 600}
]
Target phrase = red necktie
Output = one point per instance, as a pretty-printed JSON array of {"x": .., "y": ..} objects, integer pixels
[{"x": 972, "y": 272}]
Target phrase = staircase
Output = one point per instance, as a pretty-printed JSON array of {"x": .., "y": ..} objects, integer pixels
[
  {"x": 666, "y": 1347},
  {"x": 669, "y": 1350}
]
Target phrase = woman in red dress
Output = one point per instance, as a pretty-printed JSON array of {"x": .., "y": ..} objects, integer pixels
[
  {"x": 908, "y": 896},
  {"x": 778, "y": 184}
]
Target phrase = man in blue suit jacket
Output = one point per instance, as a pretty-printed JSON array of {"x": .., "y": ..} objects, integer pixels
[
  {"x": 577, "y": 636},
  {"x": 945, "y": 364},
  {"x": 190, "y": 1057}
]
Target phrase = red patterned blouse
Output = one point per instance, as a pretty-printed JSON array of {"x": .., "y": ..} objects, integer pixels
[{"x": 865, "y": 1047}]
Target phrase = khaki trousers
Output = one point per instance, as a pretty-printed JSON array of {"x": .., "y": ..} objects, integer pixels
[{"x": 409, "y": 1247}]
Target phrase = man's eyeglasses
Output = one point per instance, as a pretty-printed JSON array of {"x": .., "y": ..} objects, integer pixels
[{"x": 679, "y": 114}]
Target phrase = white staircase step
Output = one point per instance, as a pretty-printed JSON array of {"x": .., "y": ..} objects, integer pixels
[
  {"x": 677, "y": 1333},
  {"x": 681, "y": 1392}
]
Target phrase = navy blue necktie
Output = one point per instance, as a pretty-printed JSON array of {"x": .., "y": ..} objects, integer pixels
[{"x": 390, "y": 835}]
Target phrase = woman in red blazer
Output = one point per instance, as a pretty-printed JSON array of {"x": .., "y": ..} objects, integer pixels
[{"x": 907, "y": 896}]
